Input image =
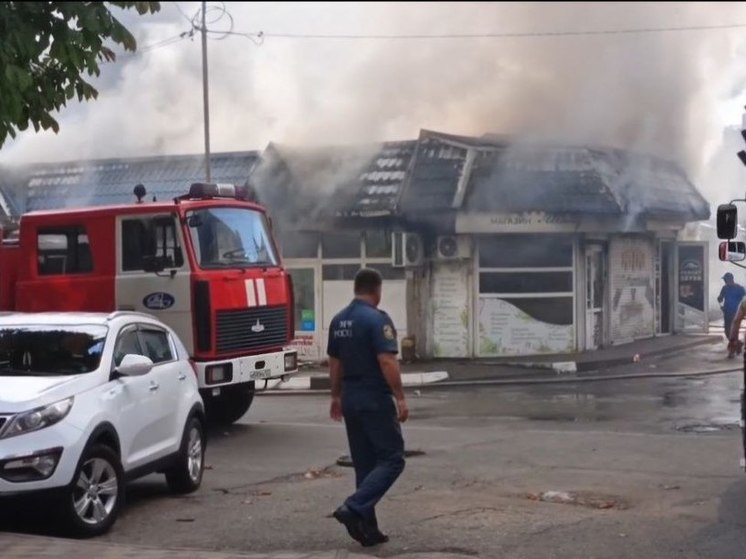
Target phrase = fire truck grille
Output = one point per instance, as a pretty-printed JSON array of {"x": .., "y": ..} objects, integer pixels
[{"x": 249, "y": 329}]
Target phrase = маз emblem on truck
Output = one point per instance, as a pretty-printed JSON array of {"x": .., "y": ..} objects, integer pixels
[{"x": 158, "y": 301}]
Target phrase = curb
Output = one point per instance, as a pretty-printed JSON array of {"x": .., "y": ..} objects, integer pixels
[
  {"x": 585, "y": 378},
  {"x": 563, "y": 367}
]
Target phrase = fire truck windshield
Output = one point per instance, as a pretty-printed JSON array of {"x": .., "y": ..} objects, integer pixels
[
  {"x": 37, "y": 350},
  {"x": 231, "y": 238}
]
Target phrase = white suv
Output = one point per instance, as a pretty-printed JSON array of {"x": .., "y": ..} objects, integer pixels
[{"x": 90, "y": 401}]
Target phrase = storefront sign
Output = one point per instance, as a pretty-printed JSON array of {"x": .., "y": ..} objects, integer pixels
[
  {"x": 450, "y": 314},
  {"x": 504, "y": 329},
  {"x": 528, "y": 222},
  {"x": 632, "y": 289},
  {"x": 692, "y": 277},
  {"x": 691, "y": 308},
  {"x": 306, "y": 347},
  {"x": 307, "y": 320}
]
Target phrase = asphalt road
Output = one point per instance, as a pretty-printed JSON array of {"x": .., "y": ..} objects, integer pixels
[{"x": 642, "y": 468}]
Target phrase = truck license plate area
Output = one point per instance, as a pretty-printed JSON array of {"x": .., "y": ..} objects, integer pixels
[{"x": 260, "y": 374}]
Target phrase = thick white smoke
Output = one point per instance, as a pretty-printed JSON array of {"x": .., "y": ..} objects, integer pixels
[{"x": 654, "y": 92}]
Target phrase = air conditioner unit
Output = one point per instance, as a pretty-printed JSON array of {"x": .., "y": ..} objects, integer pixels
[
  {"x": 406, "y": 249},
  {"x": 452, "y": 247}
]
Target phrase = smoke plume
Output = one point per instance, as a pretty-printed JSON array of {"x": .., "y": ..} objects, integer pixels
[{"x": 653, "y": 92}]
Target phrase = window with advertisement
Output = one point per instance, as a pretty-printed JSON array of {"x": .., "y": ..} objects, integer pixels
[
  {"x": 304, "y": 290},
  {"x": 692, "y": 303}
]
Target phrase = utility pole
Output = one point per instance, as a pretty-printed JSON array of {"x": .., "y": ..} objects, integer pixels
[{"x": 205, "y": 91}]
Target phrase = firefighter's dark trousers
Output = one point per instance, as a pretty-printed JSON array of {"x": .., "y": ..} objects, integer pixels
[{"x": 376, "y": 448}]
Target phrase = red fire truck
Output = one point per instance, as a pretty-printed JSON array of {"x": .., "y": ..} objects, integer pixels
[{"x": 204, "y": 263}]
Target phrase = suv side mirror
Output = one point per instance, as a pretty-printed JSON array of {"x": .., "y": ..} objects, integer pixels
[
  {"x": 732, "y": 251},
  {"x": 134, "y": 366},
  {"x": 152, "y": 263},
  {"x": 727, "y": 221}
]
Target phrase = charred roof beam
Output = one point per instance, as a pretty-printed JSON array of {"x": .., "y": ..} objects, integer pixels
[{"x": 463, "y": 182}]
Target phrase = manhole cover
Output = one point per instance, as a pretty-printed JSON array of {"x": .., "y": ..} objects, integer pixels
[{"x": 346, "y": 462}]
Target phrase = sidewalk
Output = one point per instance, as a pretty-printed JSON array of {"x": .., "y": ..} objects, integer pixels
[
  {"x": 19, "y": 546},
  {"x": 533, "y": 368}
]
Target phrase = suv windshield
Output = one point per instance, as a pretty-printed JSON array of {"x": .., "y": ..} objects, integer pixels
[
  {"x": 231, "y": 237},
  {"x": 36, "y": 350}
]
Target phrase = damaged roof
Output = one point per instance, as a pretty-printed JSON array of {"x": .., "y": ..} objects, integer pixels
[
  {"x": 436, "y": 175},
  {"x": 491, "y": 174},
  {"x": 44, "y": 186},
  {"x": 354, "y": 181}
]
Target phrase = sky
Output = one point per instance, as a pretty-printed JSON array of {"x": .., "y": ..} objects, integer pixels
[{"x": 671, "y": 93}]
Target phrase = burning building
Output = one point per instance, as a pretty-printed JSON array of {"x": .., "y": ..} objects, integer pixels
[{"x": 488, "y": 246}]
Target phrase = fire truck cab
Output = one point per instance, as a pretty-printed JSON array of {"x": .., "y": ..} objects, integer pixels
[{"x": 205, "y": 263}]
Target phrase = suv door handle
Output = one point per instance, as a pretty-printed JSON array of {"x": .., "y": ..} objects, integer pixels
[
  {"x": 181, "y": 376},
  {"x": 153, "y": 386}
]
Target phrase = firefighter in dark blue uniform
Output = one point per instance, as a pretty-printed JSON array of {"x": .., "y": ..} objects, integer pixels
[{"x": 367, "y": 393}]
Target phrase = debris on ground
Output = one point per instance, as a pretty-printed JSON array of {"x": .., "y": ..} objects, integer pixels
[
  {"x": 313, "y": 473},
  {"x": 321, "y": 473},
  {"x": 583, "y": 499}
]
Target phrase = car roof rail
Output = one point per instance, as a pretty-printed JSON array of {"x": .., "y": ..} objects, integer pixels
[{"x": 119, "y": 314}]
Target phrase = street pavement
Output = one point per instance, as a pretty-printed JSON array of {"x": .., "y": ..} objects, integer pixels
[{"x": 605, "y": 470}]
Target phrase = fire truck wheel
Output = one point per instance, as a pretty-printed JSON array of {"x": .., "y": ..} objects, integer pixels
[
  {"x": 231, "y": 405},
  {"x": 186, "y": 475}
]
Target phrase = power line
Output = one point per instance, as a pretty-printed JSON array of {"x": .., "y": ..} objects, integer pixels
[
  {"x": 256, "y": 38},
  {"x": 152, "y": 46},
  {"x": 164, "y": 43},
  {"x": 189, "y": 19},
  {"x": 195, "y": 26},
  {"x": 261, "y": 35}
]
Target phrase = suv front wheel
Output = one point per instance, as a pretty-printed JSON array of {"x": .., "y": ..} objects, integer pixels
[
  {"x": 186, "y": 474},
  {"x": 91, "y": 503}
]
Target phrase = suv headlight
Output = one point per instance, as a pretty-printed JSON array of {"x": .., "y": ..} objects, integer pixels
[{"x": 37, "y": 419}]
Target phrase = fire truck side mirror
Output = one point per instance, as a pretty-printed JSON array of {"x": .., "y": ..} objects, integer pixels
[
  {"x": 727, "y": 221},
  {"x": 194, "y": 221},
  {"x": 732, "y": 251},
  {"x": 153, "y": 264}
]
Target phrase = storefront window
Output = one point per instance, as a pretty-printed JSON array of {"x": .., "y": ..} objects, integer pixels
[
  {"x": 525, "y": 251},
  {"x": 294, "y": 244},
  {"x": 340, "y": 245},
  {"x": 526, "y": 295},
  {"x": 377, "y": 244},
  {"x": 339, "y": 272},
  {"x": 305, "y": 299},
  {"x": 525, "y": 282},
  {"x": 388, "y": 272}
]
